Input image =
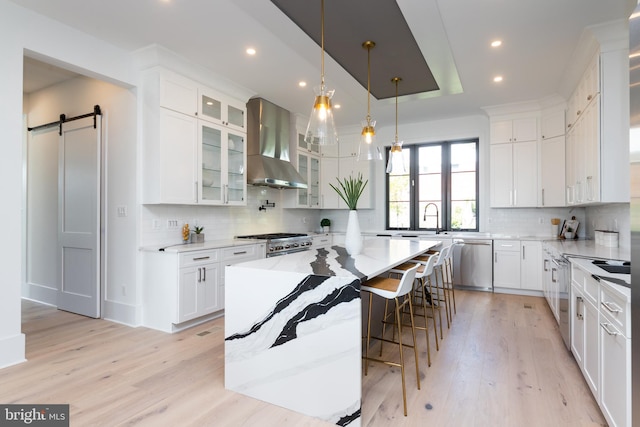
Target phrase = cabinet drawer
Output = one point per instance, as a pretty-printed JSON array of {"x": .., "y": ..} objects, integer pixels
[
  {"x": 506, "y": 245},
  {"x": 615, "y": 308},
  {"x": 321, "y": 241},
  {"x": 237, "y": 254},
  {"x": 578, "y": 277},
  {"x": 198, "y": 257},
  {"x": 591, "y": 289}
]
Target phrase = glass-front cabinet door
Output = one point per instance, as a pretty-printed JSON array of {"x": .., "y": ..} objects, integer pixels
[
  {"x": 222, "y": 110},
  {"x": 314, "y": 182},
  {"x": 223, "y": 158},
  {"x": 211, "y": 183},
  {"x": 236, "y": 169},
  {"x": 303, "y": 169}
]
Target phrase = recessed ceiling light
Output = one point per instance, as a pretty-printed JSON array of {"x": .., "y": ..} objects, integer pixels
[
  {"x": 337, "y": 106},
  {"x": 250, "y": 51},
  {"x": 497, "y": 79},
  {"x": 302, "y": 84},
  {"x": 496, "y": 43}
]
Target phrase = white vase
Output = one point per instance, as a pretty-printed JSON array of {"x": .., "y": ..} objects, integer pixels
[{"x": 353, "y": 238}]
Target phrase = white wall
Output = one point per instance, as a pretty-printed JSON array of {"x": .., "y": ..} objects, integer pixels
[
  {"x": 20, "y": 31},
  {"x": 118, "y": 105}
]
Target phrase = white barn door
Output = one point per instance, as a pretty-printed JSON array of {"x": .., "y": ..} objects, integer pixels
[{"x": 79, "y": 217}]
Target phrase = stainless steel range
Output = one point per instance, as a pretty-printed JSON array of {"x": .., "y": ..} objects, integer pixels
[{"x": 282, "y": 243}]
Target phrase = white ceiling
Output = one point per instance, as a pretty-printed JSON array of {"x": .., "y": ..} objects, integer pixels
[{"x": 539, "y": 39}]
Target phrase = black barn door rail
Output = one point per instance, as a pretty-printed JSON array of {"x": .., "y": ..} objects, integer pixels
[{"x": 64, "y": 119}]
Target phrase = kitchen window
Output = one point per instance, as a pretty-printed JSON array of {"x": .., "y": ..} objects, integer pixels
[{"x": 442, "y": 175}]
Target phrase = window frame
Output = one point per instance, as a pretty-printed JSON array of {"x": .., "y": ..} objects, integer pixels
[{"x": 445, "y": 173}]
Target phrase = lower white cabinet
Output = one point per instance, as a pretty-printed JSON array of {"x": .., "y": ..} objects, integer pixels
[
  {"x": 601, "y": 343},
  {"x": 321, "y": 241},
  {"x": 530, "y": 265},
  {"x": 183, "y": 288},
  {"x": 198, "y": 283},
  {"x": 506, "y": 264}
]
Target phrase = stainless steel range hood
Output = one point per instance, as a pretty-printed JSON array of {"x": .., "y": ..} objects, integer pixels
[{"x": 268, "y": 146}]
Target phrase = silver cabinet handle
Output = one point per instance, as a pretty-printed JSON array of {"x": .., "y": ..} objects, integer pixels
[
  {"x": 199, "y": 275},
  {"x": 240, "y": 253},
  {"x": 546, "y": 265},
  {"x": 523, "y": 249},
  {"x": 612, "y": 307},
  {"x": 201, "y": 258},
  {"x": 204, "y": 274},
  {"x": 605, "y": 326},
  {"x": 553, "y": 275},
  {"x": 579, "y": 315}
]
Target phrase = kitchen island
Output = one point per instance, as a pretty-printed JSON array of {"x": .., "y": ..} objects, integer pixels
[{"x": 293, "y": 326}]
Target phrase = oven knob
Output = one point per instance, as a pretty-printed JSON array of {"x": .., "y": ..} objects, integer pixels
[
  {"x": 271, "y": 249},
  {"x": 287, "y": 246},
  {"x": 295, "y": 245}
]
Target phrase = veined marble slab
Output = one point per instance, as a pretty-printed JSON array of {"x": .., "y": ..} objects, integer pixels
[{"x": 293, "y": 326}]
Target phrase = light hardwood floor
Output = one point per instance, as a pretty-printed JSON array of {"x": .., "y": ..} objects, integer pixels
[{"x": 502, "y": 363}]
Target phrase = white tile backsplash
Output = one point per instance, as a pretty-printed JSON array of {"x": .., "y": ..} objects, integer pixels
[
  {"x": 611, "y": 217},
  {"x": 226, "y": 222},
  {"x": 532, "y": 221}
]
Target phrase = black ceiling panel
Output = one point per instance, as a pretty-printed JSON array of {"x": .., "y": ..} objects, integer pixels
[{"x": 349, "y": 23}]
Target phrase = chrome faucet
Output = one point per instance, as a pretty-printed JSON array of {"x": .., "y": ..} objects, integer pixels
[{"x": 437, "y": 215}]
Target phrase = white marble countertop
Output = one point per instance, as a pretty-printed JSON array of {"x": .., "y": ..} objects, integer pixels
[
  {"x": 376, "y": 257},
  {"x": 207, "y": 244},
  {"x": 588, "y": 249},
  {"x": 588, "y": 266}
]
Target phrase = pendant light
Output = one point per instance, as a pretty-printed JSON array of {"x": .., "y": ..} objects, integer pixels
[
  {"x": 368, "y": 149},
  {"x": 396, "y": 159},
  {"x": 321, "y": 130}
]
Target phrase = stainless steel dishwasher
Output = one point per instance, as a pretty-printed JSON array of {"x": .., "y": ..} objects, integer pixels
[{"x": 473, "y": 264}]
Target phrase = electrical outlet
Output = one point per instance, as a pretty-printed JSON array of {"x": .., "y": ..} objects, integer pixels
[
  {"x": 540, "y": 221},
  {"x": 155, "y": 224},
  {"x": 172, "y": 224},
  {"x": 122, "y": 211},
  {"x": 124, "y": 290}
]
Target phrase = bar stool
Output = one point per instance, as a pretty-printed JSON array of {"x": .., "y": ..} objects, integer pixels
[
  {"x": 397, "y": 290},
  {"x": 449, "y": 281},
  {"x": 438, "y": 270},
  {"x": 423, "y": 276}
]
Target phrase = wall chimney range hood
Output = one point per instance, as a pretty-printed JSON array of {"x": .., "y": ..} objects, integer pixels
[{"x": 268, "y": 161}]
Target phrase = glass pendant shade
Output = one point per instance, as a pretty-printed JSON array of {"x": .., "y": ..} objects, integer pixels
[
  {"x": 321, "y": 129},
  {"x": 368, "y": 149},
  {"x": 395, "y": 164}
]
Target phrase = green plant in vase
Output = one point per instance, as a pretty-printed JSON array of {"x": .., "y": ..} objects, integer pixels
[
  {"x": 197, "y": 236},
  {"x": 350, "y": 191},
  {"x": 325, "y": 223}
]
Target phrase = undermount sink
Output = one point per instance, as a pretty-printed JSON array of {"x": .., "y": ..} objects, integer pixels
[{"x": 614, "y": 267}]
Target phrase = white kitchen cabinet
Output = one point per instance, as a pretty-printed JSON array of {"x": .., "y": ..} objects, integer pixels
[
  {"x": 330, "y": 171},
  {"x": 506, "y": 264},
  {"x": 222, "y": 159},
  {"x": 514, "y": 130},
  {"x": 530, "y": 265},
  {"x": 598, "y": 123},
  {"x": 306, "y": 158},
  {"x": 321, "y": 241},
  {"x": 615, "y": 355},
  {"x": 552, "y": 172},
  {"x": 552, "y": 122},
  {"x": 514, "y": 175},
  {"x": 181, "y": 164},
  {"x": 198, "y": 283},
  {"x": 181, "y": 289},
  {"x": 222, "y": 110},
  {"x": 601, "y": 342}
]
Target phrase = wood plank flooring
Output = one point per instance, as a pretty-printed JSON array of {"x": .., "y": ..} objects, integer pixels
[{"x": 502, "y": 363}]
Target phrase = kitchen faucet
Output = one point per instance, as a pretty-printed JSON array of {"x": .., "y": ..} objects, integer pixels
[{"x": 437, "y": 215}]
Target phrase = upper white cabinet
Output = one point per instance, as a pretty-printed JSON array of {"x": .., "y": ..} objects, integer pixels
[
  {"x": 306, "y": 158},
  {"x": 193, "y": 152},
  {"x": 514, "y": 130},
  {"x": 222, "y": 110},
  {"x": 513, "y": 174},
  {"x": 223, "y": 158},
  {"x": 598, "y": 137},
  {"x": 552, "y": 158}
]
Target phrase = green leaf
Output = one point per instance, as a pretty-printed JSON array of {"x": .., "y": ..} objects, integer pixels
[{"x": 350, "y": 190}]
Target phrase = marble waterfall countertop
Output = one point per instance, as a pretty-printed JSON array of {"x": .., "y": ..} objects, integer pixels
[{"x": 293, "y": 326}]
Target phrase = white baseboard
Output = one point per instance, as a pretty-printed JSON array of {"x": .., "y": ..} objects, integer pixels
[
  {"x": 130, "y": 315},
  {"x": 12, "y": 350}
]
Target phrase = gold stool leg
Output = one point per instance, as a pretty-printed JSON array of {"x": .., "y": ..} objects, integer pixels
[
  {"x": 433, "y": 315},
  {"x": 366, "y": 349}
]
